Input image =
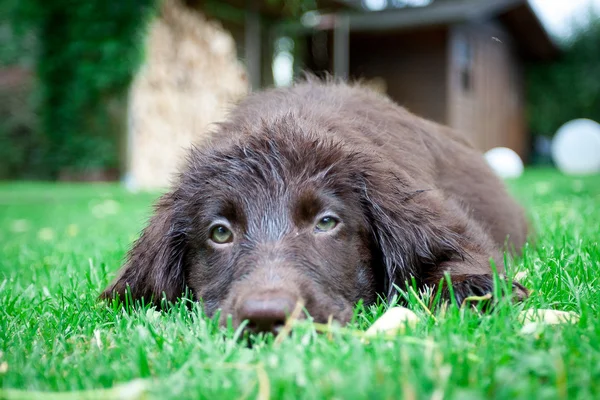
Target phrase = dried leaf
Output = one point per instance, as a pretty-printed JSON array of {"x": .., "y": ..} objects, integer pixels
[
  {"x": 521, "y": 276},
  {"x": 394, "y": 321},
  {"x": 532, "y": 329}
]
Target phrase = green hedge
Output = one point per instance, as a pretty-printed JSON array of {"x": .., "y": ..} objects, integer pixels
[
  {"x": 86, "y": 55},
  {"x": 568, "y": 88}
]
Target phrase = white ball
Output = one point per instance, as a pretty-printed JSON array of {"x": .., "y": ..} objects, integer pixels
[
  {"x": 576, "y": 147},
  {"x": 505, "y": 162}
]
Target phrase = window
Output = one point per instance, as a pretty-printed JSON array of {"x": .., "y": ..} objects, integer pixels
[{"x": 464, "y": 61}]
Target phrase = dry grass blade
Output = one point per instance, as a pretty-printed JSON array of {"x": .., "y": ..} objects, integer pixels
[
  {"x": 264, "y": 387},
  {"x": 330, "y": 331},
  {"x": 133, "y": 390},
  {"x": 289, "y": 323},
  {"x": 423, "y": 305}
]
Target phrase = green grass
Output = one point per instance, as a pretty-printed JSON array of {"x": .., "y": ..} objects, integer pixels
[{"x": 60, "y": 244}]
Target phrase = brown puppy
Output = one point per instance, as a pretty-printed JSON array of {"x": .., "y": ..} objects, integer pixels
[{"x": 324, "y": 193}]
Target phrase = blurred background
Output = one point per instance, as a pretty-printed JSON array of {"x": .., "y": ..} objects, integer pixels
[{"x": 117, "y": 90}]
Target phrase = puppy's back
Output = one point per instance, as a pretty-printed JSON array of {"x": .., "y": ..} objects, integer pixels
[{"x": 432, "y": 155}]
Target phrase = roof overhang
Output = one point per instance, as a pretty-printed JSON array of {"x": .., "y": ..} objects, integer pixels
[{"x": 517, "y": 16}]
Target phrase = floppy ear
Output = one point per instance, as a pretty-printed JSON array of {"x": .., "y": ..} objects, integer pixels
[
  {"x": 154, "y": 265},
  {"x": 409, "y": 228},
  {"x": 424, "y": 235}
]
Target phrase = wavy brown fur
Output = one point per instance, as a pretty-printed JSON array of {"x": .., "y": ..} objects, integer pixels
[{"x": 414, "y": 200}]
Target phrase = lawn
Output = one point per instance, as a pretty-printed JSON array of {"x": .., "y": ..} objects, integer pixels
[{"x": 60, "y": 244}]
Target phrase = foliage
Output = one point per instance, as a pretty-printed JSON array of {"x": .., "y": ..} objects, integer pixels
[
  {"x": 16, "y": 49},
  {"x": 569, "y": 88},
  {"x": 61, "y": 243},
  {"x": 87, "y": 53},
  {"x": 21, "y": 143}
]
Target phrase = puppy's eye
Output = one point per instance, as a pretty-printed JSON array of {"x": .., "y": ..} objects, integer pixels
[
  {"x": 221, "y": 234},
  {"x": 326, "y": 224}
]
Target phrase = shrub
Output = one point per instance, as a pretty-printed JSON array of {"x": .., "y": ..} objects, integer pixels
[
  {"x": 86, "y": 55},
  {"x": 569, "y": 88}
]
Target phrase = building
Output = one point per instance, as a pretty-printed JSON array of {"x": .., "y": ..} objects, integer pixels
[{"x": 457, "y": 62}]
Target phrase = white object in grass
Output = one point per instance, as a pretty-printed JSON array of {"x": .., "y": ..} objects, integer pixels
[
  {"x": 393, "y": 321},
  {"x": 550, "y": 317},
  {"x": 505, "y": 162},
  {"x": 576, "y": 147}
]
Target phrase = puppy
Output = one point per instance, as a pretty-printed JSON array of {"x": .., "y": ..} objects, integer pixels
[{"x": 325, "y": 194}]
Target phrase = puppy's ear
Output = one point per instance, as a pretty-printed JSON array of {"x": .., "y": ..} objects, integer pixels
[
  {"x": 154, "y": 266},
  {"x": 408, "y": 228}
]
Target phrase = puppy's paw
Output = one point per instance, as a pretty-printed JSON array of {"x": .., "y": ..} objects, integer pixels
[
  {"x": 519, "y": 292},
  {"x": 481, "y": 288}
]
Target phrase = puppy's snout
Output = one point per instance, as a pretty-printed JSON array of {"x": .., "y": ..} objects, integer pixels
[{"x": 266, "y": 313}]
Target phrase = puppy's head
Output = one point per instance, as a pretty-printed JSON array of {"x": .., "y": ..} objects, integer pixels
[
  {"x": 256, "y": 226},
  {"x": 261, "y": 223}
]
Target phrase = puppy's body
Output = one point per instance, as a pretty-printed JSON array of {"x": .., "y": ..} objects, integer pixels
[
  {"x": 408, "y": 199},
  {"x": 431, "y": 155}
]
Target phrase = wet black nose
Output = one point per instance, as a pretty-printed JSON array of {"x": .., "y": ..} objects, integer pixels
[{"x": 266, "y": 314}]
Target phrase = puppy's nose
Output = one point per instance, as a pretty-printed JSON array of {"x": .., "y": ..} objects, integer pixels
[{"x": 266, "y": 313}]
